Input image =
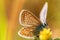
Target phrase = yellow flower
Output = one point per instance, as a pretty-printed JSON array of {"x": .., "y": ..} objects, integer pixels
[{"x": 45, "y": 34}]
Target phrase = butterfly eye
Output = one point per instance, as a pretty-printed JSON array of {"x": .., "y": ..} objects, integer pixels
[{"x": 43, "y": 13}]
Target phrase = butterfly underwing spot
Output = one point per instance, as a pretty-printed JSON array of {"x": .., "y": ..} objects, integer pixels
[{"x": 29, "y": 19}]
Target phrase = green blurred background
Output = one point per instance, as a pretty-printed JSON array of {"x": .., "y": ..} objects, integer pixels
[{"x": 3, "y": 22}]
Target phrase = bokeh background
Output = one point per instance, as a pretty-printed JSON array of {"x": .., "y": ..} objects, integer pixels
[{"x": 9, "y": 16}]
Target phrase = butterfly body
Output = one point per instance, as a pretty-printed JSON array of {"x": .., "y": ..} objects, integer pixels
[{"x": 39, "y": 28}]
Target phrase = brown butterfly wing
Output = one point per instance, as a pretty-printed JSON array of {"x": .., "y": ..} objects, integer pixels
[
  {"x": 27, "y": 18},
  {"x": 27, "y": 32}
]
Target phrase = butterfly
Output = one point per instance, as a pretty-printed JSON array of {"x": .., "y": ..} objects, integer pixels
[{"x": 30, "y": 22}]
